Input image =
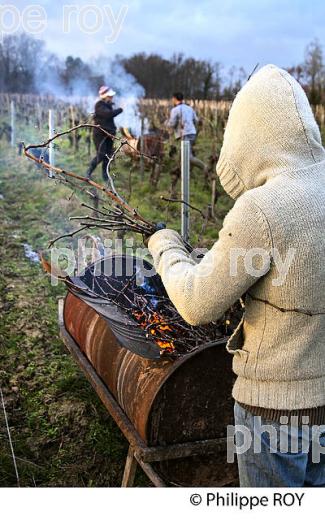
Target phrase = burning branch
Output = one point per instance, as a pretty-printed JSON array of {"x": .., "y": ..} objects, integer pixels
[{"x": 152, "y": 311}]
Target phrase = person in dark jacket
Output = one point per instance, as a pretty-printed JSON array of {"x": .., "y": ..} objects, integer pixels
[{"x": 104, "y": 116}]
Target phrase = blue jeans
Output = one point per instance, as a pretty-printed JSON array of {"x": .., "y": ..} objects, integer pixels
[{"x": 270, "y": 454}]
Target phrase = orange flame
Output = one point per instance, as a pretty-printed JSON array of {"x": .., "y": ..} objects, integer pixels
[{"x": 157, "y": 326}]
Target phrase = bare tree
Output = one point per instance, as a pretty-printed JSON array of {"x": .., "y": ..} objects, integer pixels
[
  {"x": 314, "y": 71},
  {"x": 19, "y": 56}
]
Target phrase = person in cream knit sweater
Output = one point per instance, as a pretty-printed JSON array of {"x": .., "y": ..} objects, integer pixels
[{"x": 270, "y": 252}]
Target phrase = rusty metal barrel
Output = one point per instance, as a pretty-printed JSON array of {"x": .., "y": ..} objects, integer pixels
[{"x": 167, "y": 401}]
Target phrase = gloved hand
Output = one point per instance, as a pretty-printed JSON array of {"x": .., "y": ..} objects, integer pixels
[{"x": 158, "y": 227}]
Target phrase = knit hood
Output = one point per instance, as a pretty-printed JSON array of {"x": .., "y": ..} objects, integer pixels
[{"x": 271, "y": 130}]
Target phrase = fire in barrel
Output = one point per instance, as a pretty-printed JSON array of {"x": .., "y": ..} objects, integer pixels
[{"x": 155, "y": 364}]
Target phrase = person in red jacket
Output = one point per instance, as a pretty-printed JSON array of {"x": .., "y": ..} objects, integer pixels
[{"x": 104, "y": 116}]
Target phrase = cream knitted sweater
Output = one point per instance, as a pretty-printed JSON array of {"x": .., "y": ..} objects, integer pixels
[{"x": 271, "y": 247}]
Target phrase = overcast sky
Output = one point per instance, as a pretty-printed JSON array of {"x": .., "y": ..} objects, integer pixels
[{"x": 234, "y": 32}]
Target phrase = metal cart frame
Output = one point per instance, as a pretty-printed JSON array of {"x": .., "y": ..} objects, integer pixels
[{"x": 139, "y": 452}]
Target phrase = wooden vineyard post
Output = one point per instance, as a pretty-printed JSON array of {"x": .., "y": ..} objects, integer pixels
[
  {"x": 39, "y": 116},
  {"x": 73, "y": 123}
]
